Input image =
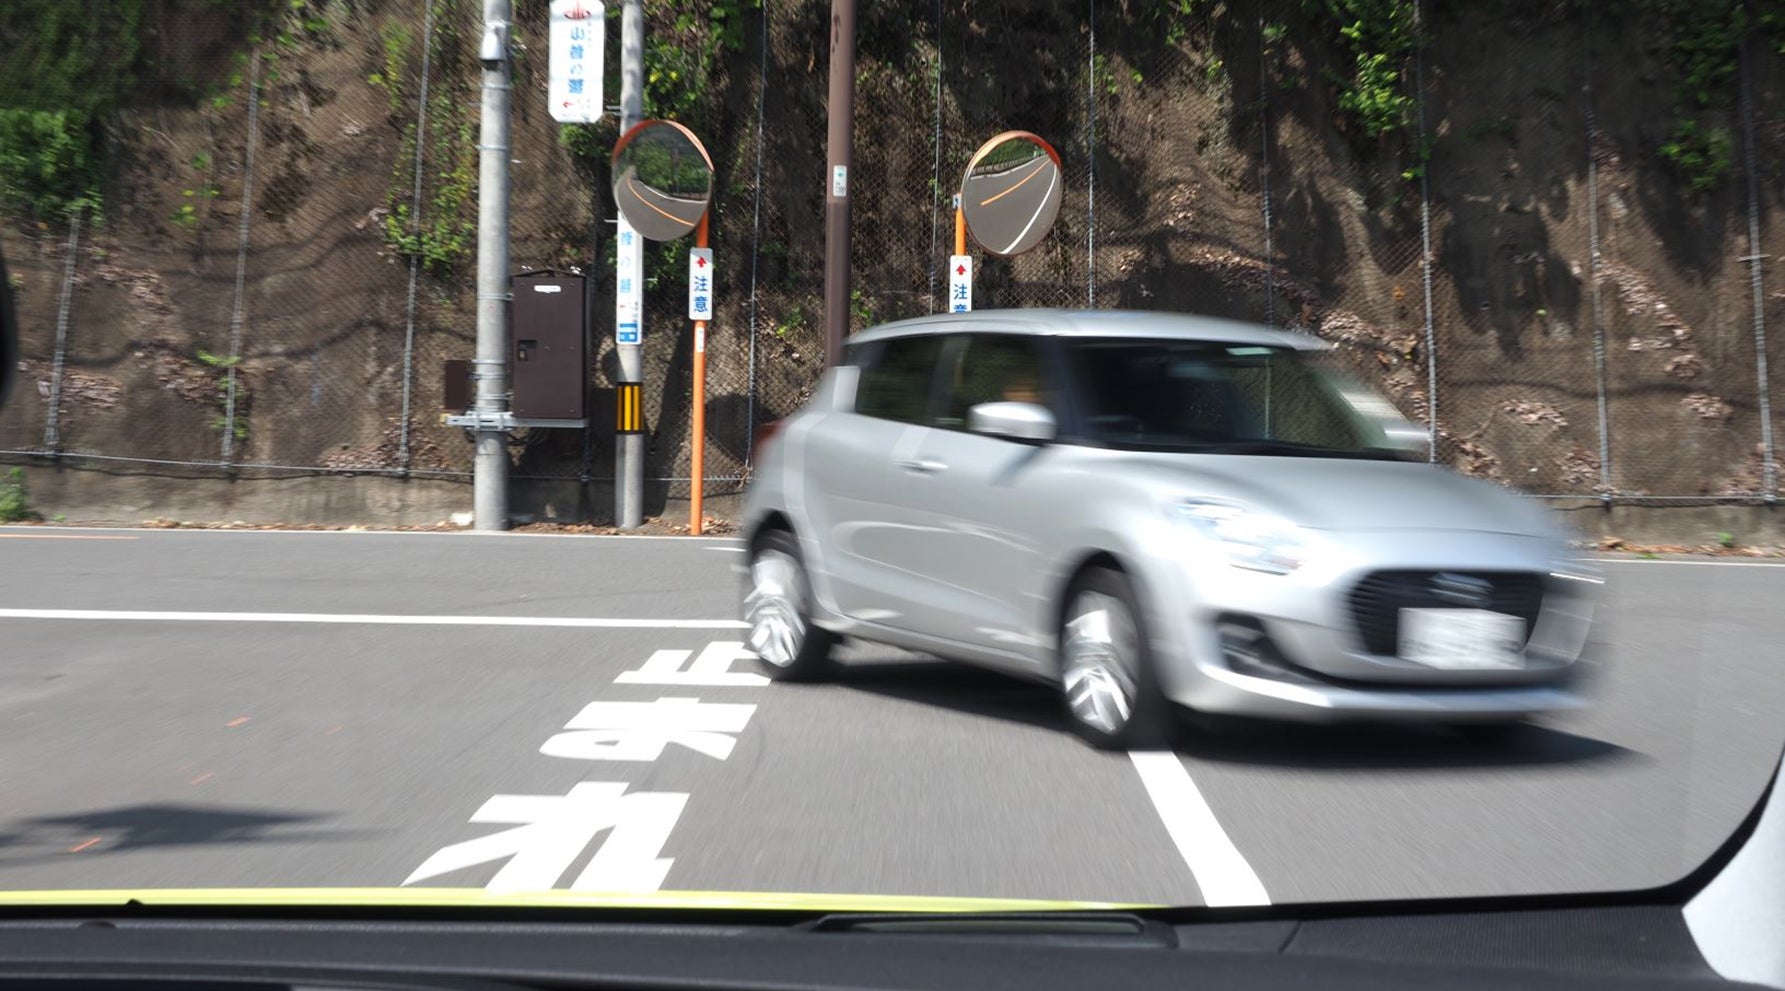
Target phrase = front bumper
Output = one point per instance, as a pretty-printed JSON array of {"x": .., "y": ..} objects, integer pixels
[{"x": 1291, "y": 646}]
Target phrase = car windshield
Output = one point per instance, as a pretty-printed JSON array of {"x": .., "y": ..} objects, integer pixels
[
  {"x": 1213, "y": 397},
  {"x": 1152, "y": 453}
]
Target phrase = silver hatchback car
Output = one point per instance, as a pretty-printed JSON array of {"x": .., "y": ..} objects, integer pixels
[{"x": 1146, "y": 509}]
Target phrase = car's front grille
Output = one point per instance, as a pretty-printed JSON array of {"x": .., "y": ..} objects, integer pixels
[{"x": 1377, "y": 601}]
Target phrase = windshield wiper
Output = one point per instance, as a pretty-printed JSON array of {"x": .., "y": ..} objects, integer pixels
[{"x": 1293, "y": 449}]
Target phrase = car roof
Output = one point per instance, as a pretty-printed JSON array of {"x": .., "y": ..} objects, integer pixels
[{"x": 1094, "y": 323}]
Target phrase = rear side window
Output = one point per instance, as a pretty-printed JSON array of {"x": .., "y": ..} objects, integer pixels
[{"x": 896, "y": 383}]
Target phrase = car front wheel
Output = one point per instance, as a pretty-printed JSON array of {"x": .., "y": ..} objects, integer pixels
[
  {"x": 778, "y": 611},
  {"x": 1106, "y": 670}
]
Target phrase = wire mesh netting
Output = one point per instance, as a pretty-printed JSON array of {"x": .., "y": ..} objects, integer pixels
[{"x": 285, "y": 259}]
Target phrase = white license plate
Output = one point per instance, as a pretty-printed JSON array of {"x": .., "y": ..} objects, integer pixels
[{"x": 1462, "y": 639}]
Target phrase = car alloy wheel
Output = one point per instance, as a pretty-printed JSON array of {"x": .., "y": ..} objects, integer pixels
[
  {"x": 776, "y": 608},
  {"x": 1101, "y": 647}
]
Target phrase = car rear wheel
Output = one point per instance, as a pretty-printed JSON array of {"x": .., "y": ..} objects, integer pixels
[
  {"x": 1106, "y": 669},
  {"x": 778, "y": 610}
]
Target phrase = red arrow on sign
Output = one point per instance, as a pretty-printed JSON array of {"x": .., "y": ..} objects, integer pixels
[
  {"x": 700, "y": 262},
  {"x": 960, "y": 270}
]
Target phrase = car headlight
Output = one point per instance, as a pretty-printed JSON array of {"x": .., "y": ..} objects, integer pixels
[{"x": 1251, "y": 539}]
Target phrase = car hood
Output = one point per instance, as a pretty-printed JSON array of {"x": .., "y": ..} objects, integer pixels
[{"x": 1354, "y": 494}]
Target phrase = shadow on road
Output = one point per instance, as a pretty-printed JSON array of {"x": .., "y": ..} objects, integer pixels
[
  {"x": 977, "y": 692},
  {"x": 141, "y": 827},
  {"x": 1382, "y": 747},
  {"x": 958, "y": 687}
]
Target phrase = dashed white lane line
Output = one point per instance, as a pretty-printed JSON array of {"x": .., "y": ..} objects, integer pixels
[
  {"x": 1220, "y": 871},
  {"x": 172, "y": 616}
]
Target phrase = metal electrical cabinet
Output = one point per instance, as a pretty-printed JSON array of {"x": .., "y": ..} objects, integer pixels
[{"x": 548, "y": 346}]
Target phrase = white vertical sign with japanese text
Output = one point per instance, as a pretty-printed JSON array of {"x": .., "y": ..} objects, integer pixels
[
  {"x": 960, "y": 283},
  {"x": 700, "y": 284},
  {"x": 629, "y": 289},
  {"x": 578, "y": 36}
]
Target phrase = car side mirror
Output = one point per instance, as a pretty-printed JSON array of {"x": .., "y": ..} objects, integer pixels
[{"x": 1025, "y": 422}]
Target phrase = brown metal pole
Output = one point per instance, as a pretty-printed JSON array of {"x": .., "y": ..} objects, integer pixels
[{"x": 839, "y": 156}]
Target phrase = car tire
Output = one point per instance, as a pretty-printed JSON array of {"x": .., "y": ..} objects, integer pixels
[
  {"x": 1107, "y": 677},
  {"x": 778, "y": 612}
]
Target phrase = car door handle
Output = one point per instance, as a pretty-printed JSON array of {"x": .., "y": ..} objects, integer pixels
[{"x": 923, "y": 466}]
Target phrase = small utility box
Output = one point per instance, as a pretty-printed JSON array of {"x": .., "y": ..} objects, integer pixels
[{"x": 548, "y": 346}]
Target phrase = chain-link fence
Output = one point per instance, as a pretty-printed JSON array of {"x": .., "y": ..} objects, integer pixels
[{"x": 1563, "y": 266}]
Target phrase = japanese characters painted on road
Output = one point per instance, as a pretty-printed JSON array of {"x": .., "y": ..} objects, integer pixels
[
  {"x": 700, "y": 284},
  {"x": 639, "y": 731},
  {"x": 1011, "y": 192},
  {"x": 663, "y": 179},
  {"x": 551, "y": 832},
  {"x": 960, "y": 283},
  {"x": 629, "y": 289},
  {"x": 578, "y": 36}
]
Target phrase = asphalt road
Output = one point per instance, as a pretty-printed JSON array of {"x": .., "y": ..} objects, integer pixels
[{"x": 387, "y": 689}]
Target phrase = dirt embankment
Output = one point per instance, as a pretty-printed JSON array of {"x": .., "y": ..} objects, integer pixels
[{"x": 250, "y": 288}]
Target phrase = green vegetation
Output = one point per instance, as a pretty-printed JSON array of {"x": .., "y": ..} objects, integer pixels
[
  {"x": 1701, "y": 155},
  {"x": 861, "y": 308},
  {"x": 395, "y": 40},
  {"x": 681, "y": 63},
  {"x": 1176, "y": 16},
  {"x": 1725, "y": 539},
  {"x": 1380, "y": 35},
  {"x": 15, "y": 499},
  {"x": 62, "y": 76},
  {"x": 1706, "y": 38},
  {"x": 1103, "y": 77},
  {"x": 447, "y": 228},
  {"x": 446, "y": 232},
  {"x": 795, "y": 324},
  {"x": 222, "y": 420}
]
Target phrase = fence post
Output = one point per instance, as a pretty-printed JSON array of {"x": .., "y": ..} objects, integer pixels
[
  {"x": 935, "y": 170},
  {"x": 1756, "y": 280},
  {"x": 239, "y": 314},
  {"x": 1425, "y": 235},
  {"x": 52, "y": 429},
  {"x": 762, "y": 89},
  {"x": 1595, "y": 264},
  {"x": 404, "y": 454},
  {"x": 1264, "y": 173},
  {"x": 1091, "y": 164}
]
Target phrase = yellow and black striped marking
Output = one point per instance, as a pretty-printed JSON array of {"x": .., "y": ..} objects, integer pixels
[{"x": 629, "y": 406}]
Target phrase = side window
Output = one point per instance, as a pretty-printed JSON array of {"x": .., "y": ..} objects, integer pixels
[
  {"x": 896, "y": 383},
  {"x": 995, "y": 368},
  {"x": 1286, "y": 400}
]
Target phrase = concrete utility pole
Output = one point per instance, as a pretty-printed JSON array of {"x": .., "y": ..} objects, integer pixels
[
  {"x": 840, "y": 154},
  {"x": 629, "y": 451},
  {"x": 489, "y": 486}
]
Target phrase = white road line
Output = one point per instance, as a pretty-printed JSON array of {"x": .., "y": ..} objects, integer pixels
[
  {"x": 1223, "y": 875},
  {"x": 147, "y": 615},
  {"x": 482, "y": 534},
  {"x": 1692, "y": 564}
]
